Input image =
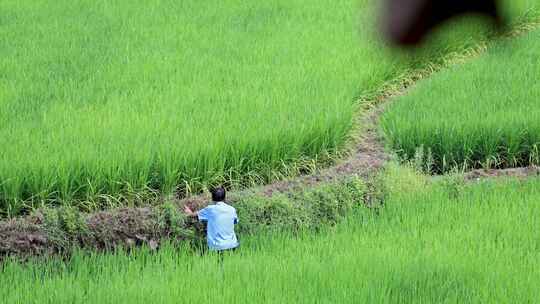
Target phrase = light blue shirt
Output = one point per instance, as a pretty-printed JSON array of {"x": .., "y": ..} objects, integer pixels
[{"x": 220, "y": 228}]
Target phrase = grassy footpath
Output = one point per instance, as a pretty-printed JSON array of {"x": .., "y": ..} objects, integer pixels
[
  {"x": 485, "y": 113},
  {"x": 105, "y": 98},
  {"x": 430, "y": 243}
]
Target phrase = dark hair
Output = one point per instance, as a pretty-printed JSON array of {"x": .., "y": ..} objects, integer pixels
[{"x": 218, "y": 194}]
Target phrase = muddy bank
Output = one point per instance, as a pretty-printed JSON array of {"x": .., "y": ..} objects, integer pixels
[{"x": 60, "y": 230}]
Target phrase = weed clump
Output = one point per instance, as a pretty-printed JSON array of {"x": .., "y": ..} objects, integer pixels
[
  {"x": 65, "y": 226},
  {"x": 307, "y": 210},
  {"x": 172, "y": 222}
]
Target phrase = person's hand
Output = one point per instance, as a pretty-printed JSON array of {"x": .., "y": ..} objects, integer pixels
[{"x": 188, "y": 210}]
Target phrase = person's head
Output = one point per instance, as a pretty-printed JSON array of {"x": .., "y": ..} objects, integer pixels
[
  {"x": 218, "y": 194},
  {"x": 408, "y": 22}
]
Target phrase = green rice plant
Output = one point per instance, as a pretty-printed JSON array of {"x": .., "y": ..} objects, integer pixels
[
  {"x": 534, "y": 157},
  {"x": 423, "y": 246},
  {"x": 485, "y": 113},
  {"x": 102, "y": 99}
]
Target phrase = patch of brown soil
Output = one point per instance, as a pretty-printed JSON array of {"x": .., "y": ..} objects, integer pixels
[
  {"x": 524, "y": 172},
  {"x": 23, "y": 237}
]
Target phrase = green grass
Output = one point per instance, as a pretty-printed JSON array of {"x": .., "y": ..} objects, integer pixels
[
  {"x": 429, "y": 244},
  {"x": 107, "y": 98},
  {"x": 485, "y": 113}
]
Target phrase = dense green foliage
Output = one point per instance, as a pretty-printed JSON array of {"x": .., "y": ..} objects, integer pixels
[
  {"x": 320, "y": 206},
  {"x": 309, "y": 210},
  {"x": 484, "y": 113},
  {"x": 100, "y": 97},
  {"x": 430, "y": 243}
]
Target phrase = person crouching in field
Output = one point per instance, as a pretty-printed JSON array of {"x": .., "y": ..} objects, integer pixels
[{"x": 220, "y": 219}]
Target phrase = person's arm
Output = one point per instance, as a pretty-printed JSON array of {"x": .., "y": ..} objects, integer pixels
[
  {"x": 202, "y": 214},
  {"x": 190, "y": 212}
]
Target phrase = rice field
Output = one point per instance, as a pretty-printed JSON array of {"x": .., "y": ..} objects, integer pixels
[
  {"x": 485, "y": 113},
  {"x": 439, "y": 242},
  {"x": 101, "y": 98}
]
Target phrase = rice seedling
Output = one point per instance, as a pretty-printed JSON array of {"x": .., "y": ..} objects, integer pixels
[{"x": 485, "y": 113}]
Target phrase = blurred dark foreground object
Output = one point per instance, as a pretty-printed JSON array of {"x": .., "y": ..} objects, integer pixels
[{"x": 407, "y": 22}]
